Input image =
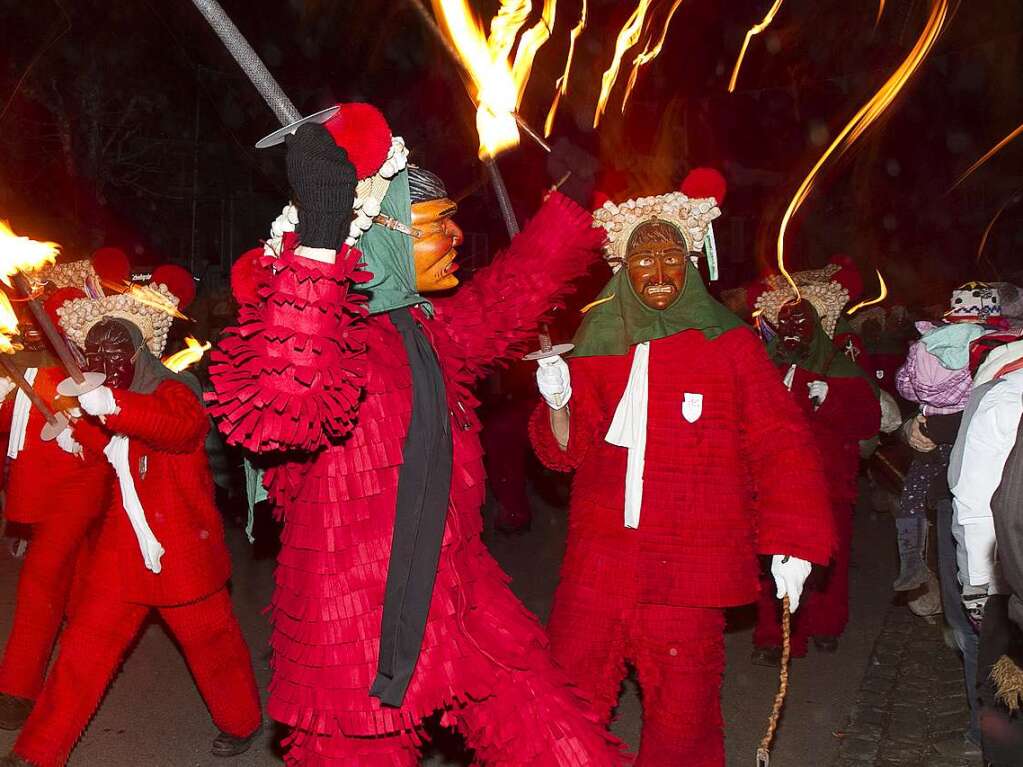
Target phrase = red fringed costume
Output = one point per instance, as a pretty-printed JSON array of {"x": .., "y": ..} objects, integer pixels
[
  {"x": 309, "y": 372},
  {"x": 169, "y": 467},
  {"x": 850, "y": 413},
  {"x": 738, "y": 482},
  {"x": 61, "y": 497}
]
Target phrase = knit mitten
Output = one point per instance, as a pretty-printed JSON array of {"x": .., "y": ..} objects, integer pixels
[{"x": 323, "y": 181}]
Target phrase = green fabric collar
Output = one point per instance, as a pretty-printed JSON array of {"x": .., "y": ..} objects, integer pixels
[
  {"x": 623, "y": 320},
  {"x": 388, "y": 256},
  {"x": 823, "y": 358}
]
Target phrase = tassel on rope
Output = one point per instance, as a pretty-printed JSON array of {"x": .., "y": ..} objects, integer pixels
[{"x": 764, "y": 750}]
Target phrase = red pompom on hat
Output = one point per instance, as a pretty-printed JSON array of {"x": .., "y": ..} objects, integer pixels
[
  {"x": 111, "y": 264},
  {"x": 178, "y": 281},
  {"x": 848, "y": 276},
  {"x": 705, "y": 182},
  {"x": 363, "y": 132},
  {"x": 248, "y": 276},
  {"x": 61, "y": 297}
]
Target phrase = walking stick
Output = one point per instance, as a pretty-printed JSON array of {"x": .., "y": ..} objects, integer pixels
[{"x": 764, "y": 750}]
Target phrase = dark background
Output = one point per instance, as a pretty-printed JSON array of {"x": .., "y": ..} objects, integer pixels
[{"x": 126, "y": 123}]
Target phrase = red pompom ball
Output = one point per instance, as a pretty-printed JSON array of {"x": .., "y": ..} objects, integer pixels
[
  {"x": 705, "y": 182},
  {"x": 848, "y": 276},
  {"x": 60, "y": 297},
  {"x": 111, "y": 264},
  {"x": 363, "y": 132},
  {"x": 248, "y": 276},
  {"x": 178, "y": 280}
]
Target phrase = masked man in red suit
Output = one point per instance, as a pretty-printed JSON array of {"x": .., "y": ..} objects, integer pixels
[
  {"x": 387, "y": 606},
  {"x": 840, "y": 401},
  {"x": 690, "y": 460},
  {"x": 161, "y": 541}
]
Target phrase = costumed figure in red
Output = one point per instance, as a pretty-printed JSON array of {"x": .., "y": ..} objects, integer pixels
[
  {"x": 840, "y": 401},
  {"x": 690, "y": 460},
  {"x": 160, "y": 545},
  {"x": 387, "y": 606},
  {"x": 59, "y": 496}
]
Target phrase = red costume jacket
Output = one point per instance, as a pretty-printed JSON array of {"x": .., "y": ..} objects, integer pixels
[
  {"x": 851, "y": 412},
  {"x": 167, "y": 457},
  {"x": 44, "y": 482},
  {"x": 741, "y": 480},
  {"x": 308, "y": 371}
]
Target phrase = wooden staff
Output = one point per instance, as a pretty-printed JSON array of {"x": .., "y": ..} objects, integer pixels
[
  {"x": 55, "y": 423},
  {"x": 45, "y": 324}
]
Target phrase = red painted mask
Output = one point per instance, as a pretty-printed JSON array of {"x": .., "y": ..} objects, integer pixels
[{"x": 795, "y": 327}]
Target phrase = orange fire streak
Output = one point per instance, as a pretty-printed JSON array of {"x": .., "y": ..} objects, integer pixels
[
  {"x": 1014, "y": 198},
  {"x": 883, "y": 295},
  {"x": 8, "y": 325},
  {"x": 147, "y": 296},
  {"x": 648, "y": 54},
  {"x": 499, "y": 83},
  {"x": 988, "y": 155},
  {"x": 864, "y": 118},
  {"x": 561, "y": 86},
  {"x": 191, "y": 354},
  {"x": 755, "y": 30},
  {"x": 20, "y": 254},
  {"x": 627, "y": 37},
  {"x": 880, "y": 13}
]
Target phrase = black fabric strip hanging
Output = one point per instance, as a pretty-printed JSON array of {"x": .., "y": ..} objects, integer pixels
[{"x": 424, "y": 484}]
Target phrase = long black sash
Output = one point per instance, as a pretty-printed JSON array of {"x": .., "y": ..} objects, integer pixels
[{"x": 424, "y": 484}]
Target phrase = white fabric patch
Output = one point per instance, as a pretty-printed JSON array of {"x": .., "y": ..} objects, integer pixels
[
  {"x": 116, "y": 452},
  {"x": 692, "y": 407},
  {"x": 19, "y": 419}
]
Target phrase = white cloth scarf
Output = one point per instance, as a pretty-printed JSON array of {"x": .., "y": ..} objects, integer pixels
[
  {"x": 116, "y": 452},
  {"x": 628, "y": 430},
  {"x": 19, "y": 420}
]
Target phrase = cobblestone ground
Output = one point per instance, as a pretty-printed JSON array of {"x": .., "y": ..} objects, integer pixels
[{"x": 911, "y": 699}]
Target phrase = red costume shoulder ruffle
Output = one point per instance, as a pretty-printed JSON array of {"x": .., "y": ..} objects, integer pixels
[{"x": 290, "y": 375}]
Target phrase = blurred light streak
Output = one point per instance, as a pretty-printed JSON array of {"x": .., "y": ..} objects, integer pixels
[
  {"x": 561, "y": 86},
  {"x": 755, "y": 30},
  {"x": 865, "y": 117},
  {"x": 881, "y": 297},
  {"x": 1013, "y": 199},
  {"x": 628, "y": 36},
  {"x": 988, "y": 155},
  {"x": 648, "y": 54},
  {"x": 880, "y": 13}
]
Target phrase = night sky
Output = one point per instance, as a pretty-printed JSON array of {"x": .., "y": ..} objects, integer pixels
[{"x": 127, "y": 123}]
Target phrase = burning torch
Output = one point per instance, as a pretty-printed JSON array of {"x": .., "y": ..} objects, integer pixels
[
  {"x": 55, "y": 422},
  {"x": 19, "y": 255}
]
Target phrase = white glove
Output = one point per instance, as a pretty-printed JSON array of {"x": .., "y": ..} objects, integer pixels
[
  {"x": 554, "y": 382},
  {"x": 67, "y": 442},
  {"x": 790, "y": 573},
  {"x": 6, "y": 387},
  {"x": 818, "y": 392},
  {"x": 99, "y": 402}
]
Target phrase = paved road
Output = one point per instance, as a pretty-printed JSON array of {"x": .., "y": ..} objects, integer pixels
[{"x": 153, "y": 717}]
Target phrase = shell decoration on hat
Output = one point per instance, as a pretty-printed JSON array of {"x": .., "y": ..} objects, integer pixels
[
  {"x": 362, "y": 131},
  {"x": 828, "y": 298},
  {"x": 692, "y": 217}
]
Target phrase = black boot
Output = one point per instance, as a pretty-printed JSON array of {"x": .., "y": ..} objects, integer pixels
[
  {"x": 232, "y": 745},
  {"x": 14, "y": 711}
]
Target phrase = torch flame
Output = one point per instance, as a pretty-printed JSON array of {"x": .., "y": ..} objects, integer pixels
[
  {"x": 988, "y": 155},
  {"x": 753, "y": 31},
  {"x": 499, "y": 83},
  {"x": 883, "y": 295},
  {"x": 864, "y": 118},
  {"x": 8, "y": 325},
  {"x": 648, "y": 54},
  {"x": 20, "y": 254},
  {"x": 147, "y": 296},
  {"x": 627, "y": 37},
  {"x": 561, "y": 86},
  {"x": 191, "y": 354}
]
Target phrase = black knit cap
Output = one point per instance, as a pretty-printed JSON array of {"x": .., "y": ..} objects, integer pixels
[{"x": 424, "y": 185}]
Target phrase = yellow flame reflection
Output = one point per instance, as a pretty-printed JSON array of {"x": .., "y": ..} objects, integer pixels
[
  {"x": 649, "y": 54},
  {"x": 753, "y": 31},
  {"x": 191, "y": 354},
  {"x": 8, "y": 325},
  {"x": 881, "y": 297},
  {"x": 561, "y": 86},
  {"x": 988, "y": 155}
]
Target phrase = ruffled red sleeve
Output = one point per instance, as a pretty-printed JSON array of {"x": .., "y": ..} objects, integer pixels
[
  {"x": 494, "y": 316},
  {"x": 290, "y": 375},
  {"x": 585, "y": 422},
  {"x": 792, "y": 506},
  {"x": 171, "y": 419}
]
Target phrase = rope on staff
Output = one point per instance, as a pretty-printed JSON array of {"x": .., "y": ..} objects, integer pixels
[{"x": 764, "y": 750}]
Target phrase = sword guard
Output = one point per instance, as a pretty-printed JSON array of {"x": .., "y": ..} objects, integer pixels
[{"x": 554, "y": 351}]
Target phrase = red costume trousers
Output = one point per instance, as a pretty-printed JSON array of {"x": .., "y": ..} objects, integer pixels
[
  {"x": 42, "y": 596},
  {"x": 824, "y": 608},
  {"x": 678, "y": 654},
  {"x": 98, "y": 633}
]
